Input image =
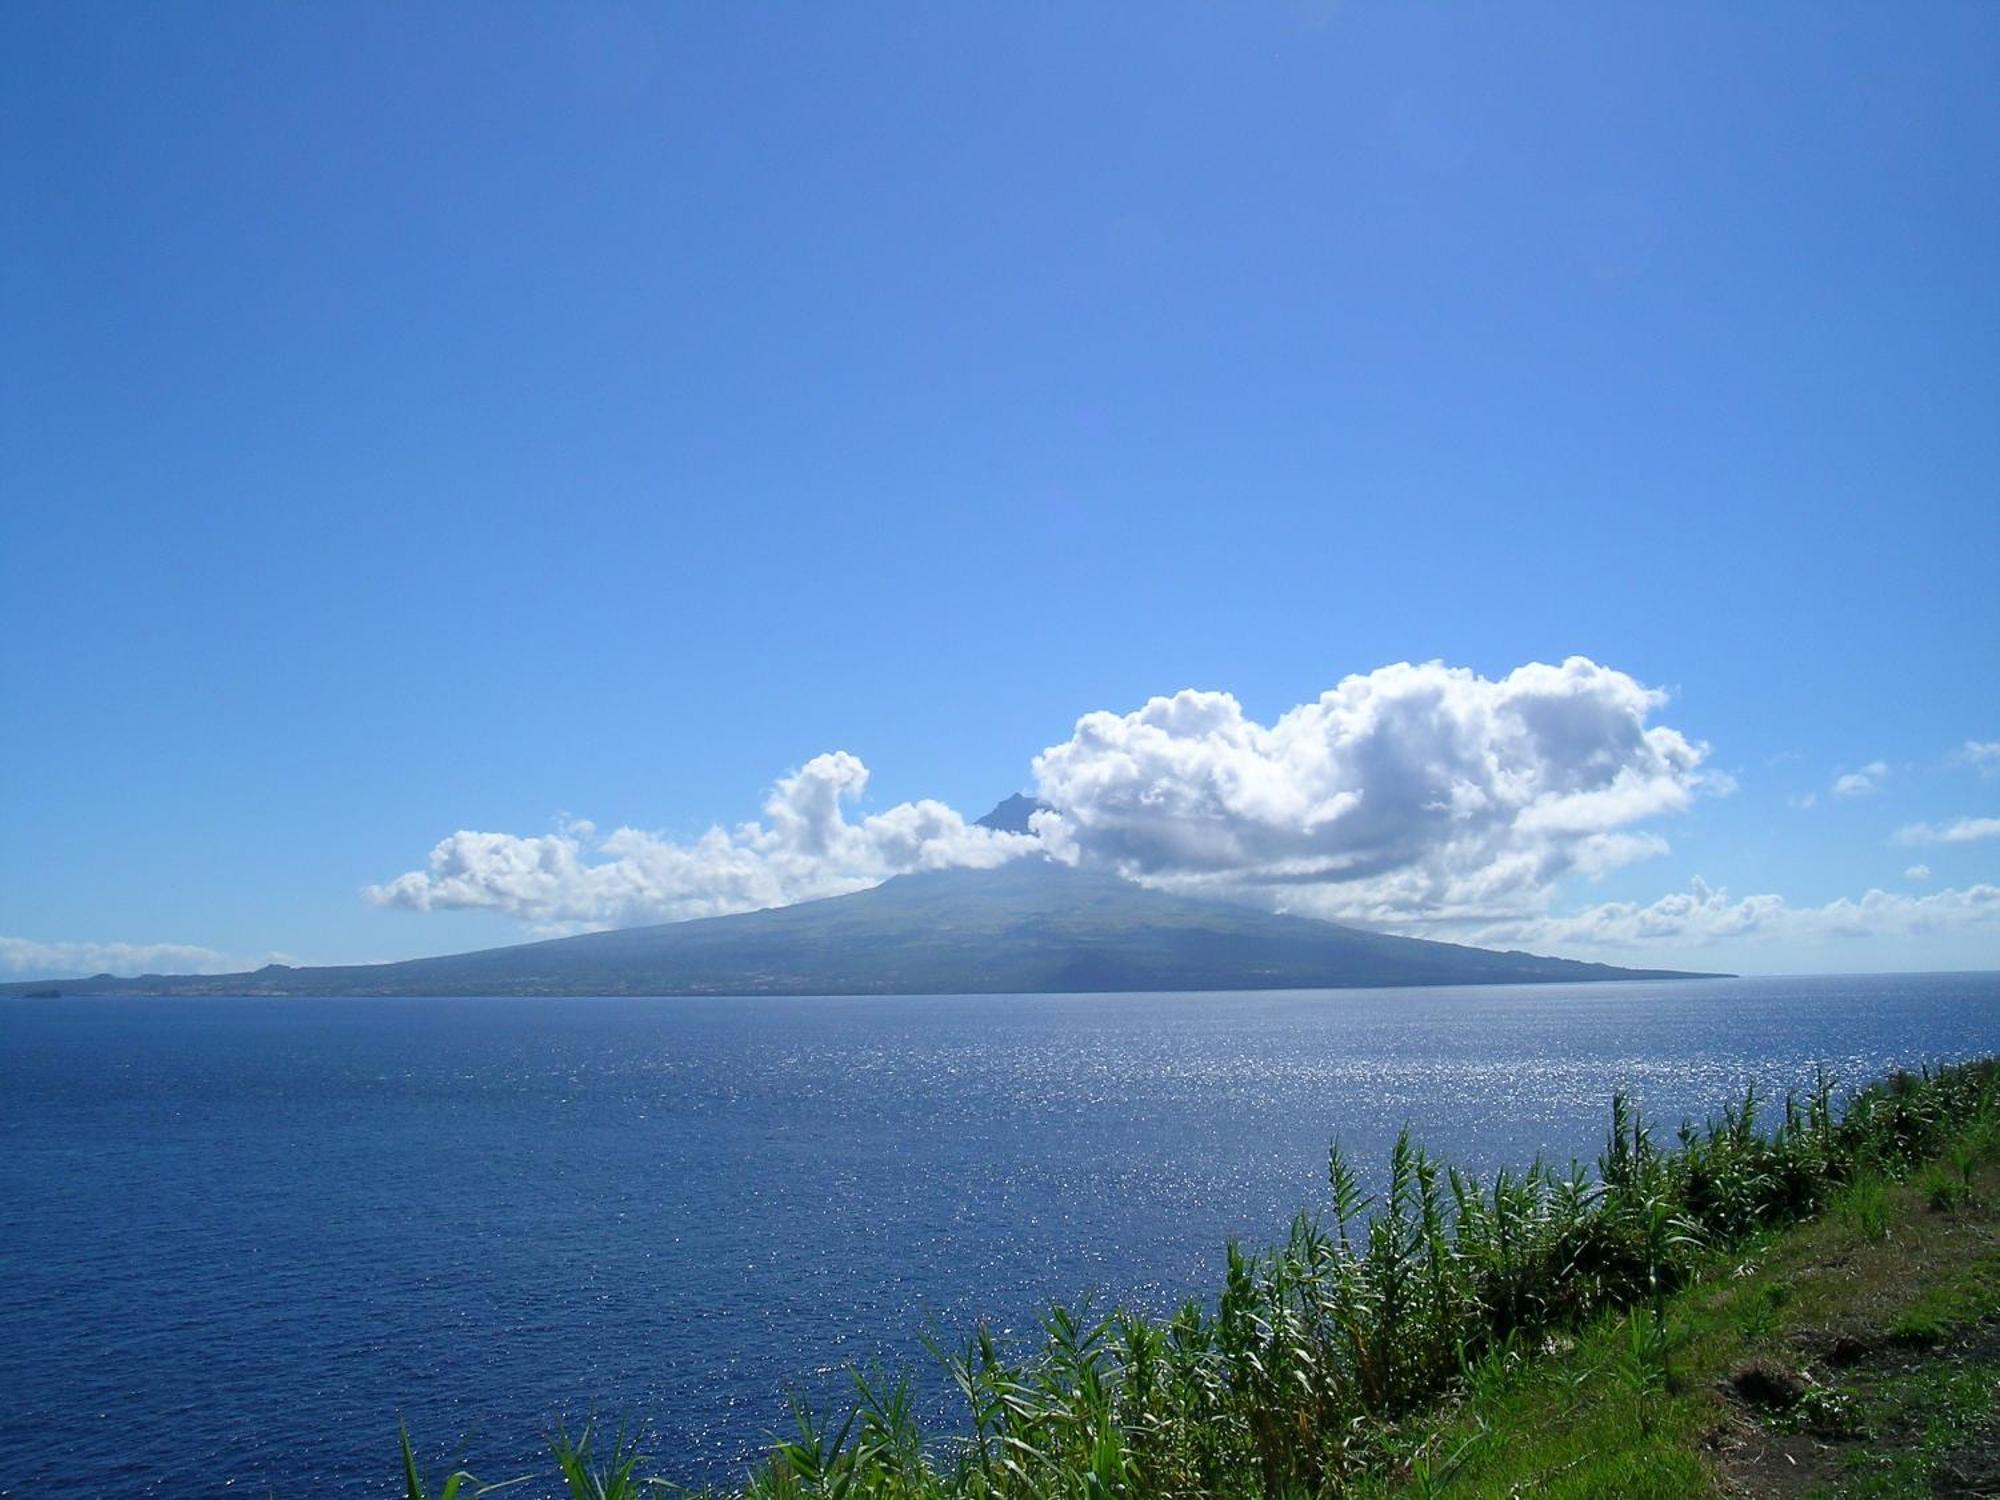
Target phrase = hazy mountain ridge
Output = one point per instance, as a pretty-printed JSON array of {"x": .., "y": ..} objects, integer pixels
[{"x": 1027, "y": 927}]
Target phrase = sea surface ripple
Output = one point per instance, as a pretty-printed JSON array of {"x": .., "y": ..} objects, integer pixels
[{"x": 239, "y": 1237}]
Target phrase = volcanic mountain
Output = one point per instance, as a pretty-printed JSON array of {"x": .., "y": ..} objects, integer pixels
[{"x": 1026, "y": 927}]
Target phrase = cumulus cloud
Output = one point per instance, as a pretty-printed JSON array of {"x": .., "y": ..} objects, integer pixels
[
  {"x": 81, "y": 960},
  {"x": 575, "y": 878},
  {"x": 1863, "y": 782},
  {"x": 1704, "y": 915},
  {"x": 1963, "y": 831},
  {"x": 1409, "y": 795},
  {"x": 1917, "y": 872}
]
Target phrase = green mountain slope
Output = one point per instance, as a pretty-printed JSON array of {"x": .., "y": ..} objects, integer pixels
[{"x": 1027, "y": 927}]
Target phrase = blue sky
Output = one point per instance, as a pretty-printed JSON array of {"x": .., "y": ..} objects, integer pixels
[{"x": 417, "y": 421}]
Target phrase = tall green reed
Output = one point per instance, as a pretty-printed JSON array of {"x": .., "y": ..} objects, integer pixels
[{"x": 1316, "y": 1351}]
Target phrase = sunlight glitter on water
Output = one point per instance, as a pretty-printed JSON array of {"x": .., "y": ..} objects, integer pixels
[{"x": 253, "y": 1232}]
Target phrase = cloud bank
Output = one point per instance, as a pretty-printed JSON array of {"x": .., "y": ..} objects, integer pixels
[
  {"x": 1415, "y": 798},
  {"x": 1702, "y": 916},
  {"x": 26, "y": 956},
  {"x": 1963, "y": 831},
  {"x": 805, "y": 848},
  {"x": 1407, "y": 796}
]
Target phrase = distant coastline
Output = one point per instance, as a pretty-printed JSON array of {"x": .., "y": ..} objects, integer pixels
[{"x": 1033, "y": 927}]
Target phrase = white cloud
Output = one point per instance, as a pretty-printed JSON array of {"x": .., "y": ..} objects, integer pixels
[
  {"x": 1703, "y": 916},
  {"x": 1917, "y": 872},
  {"x": 1413, "y": 794},
  {"x": 1863, "y": 782},
  {"x": 81, "y": 960},
  {"x": 1803, "y": 800},
  {"x": 1983, "y": 754},
  {"x": 573, "y": 878},
  {"x": 1964, "y": 831},
  {"x": 1410, "y": 795}
]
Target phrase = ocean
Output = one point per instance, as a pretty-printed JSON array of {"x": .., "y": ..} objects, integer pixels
[{"x": 240, "y": 1238}]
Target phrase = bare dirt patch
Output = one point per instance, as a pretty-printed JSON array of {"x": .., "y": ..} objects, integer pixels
[{"x": 1849, "y": 1391}]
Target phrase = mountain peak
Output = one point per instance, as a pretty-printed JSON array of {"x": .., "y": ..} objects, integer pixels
[{"x": 1012, "y": 815}]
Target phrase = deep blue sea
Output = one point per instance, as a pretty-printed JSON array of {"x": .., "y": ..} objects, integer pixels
[{"x": 238, "y": 1237}]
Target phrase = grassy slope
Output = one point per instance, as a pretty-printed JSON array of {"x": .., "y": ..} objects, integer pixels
[{"x": 1858, "y": 1354}]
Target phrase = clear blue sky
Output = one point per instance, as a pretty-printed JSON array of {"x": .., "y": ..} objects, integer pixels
[{"x": 416, "y": 419}]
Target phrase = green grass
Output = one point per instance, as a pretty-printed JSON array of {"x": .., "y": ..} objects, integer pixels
[
  {"x": 1829, "y": 1358},
  {"x": 1864, "y": 1207},
  {"x": 1952, "y": 1303},
  {"x": 1549, "y": 1332},
  {"x": 1936, "y": 1410}
]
